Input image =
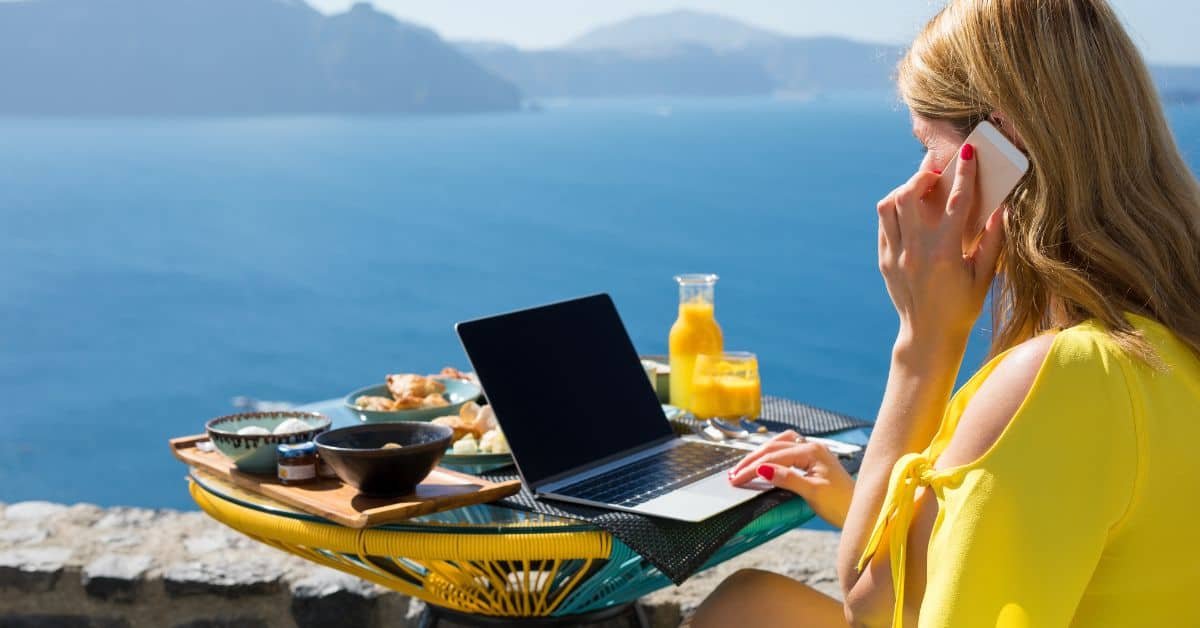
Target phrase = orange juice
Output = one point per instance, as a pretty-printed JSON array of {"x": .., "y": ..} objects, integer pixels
[
  {"x": 726, "y": 386},
  {"x": 726, "y": 396},
  {"x": 694, "y": 332}
]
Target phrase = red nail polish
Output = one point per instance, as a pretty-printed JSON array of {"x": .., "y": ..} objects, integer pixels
[
  {"x": 767, "y": 472},
  {"x": 968, "y": 152}
]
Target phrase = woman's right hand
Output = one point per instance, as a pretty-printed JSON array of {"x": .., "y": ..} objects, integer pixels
[
  {"x": 938, "y": 291},
  {"x": 807, "y": 469}
]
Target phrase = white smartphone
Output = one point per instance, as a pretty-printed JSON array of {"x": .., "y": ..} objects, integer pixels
[{"x": 1000, "y": 166}]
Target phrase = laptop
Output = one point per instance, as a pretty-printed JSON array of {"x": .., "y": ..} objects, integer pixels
[{"x": 582, "y": 419}]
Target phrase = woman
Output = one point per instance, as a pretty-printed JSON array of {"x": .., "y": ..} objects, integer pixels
[{"x": 1058, "y": 485}]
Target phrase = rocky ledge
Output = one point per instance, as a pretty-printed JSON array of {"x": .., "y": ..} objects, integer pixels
[{"x": 89, "y": 567}]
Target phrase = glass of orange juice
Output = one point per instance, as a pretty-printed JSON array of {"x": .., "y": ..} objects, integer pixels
[{"x": 726, "y": 385}]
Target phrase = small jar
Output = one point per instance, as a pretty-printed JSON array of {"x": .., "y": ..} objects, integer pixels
[{"x": 297, "y": 463}]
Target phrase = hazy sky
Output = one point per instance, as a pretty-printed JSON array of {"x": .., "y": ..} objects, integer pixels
[{"x": 1167, "y": 30}]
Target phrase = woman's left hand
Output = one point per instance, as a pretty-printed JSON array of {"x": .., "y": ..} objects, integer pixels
[{"x": 937, "y": 290}]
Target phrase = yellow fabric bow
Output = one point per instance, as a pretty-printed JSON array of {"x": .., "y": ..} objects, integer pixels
[{"x": 911, "y": 472}]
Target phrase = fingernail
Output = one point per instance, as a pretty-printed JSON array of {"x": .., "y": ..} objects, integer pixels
[
  {"x": 968, "y": 152},
  {"x": 767, "y": 472}
]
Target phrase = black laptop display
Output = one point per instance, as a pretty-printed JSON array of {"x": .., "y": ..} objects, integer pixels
[
  {"x": 582, "y": 419},
  {"x": 567, "y": 384}
]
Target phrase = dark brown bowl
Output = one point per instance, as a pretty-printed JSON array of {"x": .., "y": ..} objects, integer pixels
[{"x": 357, "y": 456}]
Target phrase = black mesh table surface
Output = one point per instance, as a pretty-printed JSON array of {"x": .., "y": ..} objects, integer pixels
[
  {"x": 780, "y": 414},
  {"x": 679, "y": 548}
]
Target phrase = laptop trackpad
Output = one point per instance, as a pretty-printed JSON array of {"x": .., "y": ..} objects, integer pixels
[{"x": 703, "y": 499}]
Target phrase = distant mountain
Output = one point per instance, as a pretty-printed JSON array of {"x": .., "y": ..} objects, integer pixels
[
  {"x": 794, "y": 64},
  {"x": 807, "y": 64},
  {"x": 170, "y": 57},
  {"x": 686, "y": 53},
  {"x": 230, "y": 57},
  {"x": 670, "y": 29},
  {"x": 687, "y": 71}
]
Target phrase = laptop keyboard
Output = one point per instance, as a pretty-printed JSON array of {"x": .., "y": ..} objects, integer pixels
[{"x": 654, "y": 476}]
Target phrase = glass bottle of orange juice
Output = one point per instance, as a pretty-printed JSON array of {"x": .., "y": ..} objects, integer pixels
[{"x": 695, "y": 332}]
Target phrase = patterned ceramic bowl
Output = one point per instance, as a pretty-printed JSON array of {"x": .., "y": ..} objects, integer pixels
[{"x": 256, "y": 453}]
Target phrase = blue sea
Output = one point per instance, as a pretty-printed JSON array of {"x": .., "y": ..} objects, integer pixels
[{"x": 151, "y": 270}]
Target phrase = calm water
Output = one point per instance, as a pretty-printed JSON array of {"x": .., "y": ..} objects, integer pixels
[{"x": 151, "y": 270}]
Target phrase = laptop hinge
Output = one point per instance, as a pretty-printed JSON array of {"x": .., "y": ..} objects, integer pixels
[{"x": 602, "y": 465}]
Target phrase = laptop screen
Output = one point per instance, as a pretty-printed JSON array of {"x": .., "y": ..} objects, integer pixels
[{"x": 566, "y": 384}]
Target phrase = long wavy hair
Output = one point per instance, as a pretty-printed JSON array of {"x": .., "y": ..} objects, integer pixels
[{"x": 1107, "y": 220}]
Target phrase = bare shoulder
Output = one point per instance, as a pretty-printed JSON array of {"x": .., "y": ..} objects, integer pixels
[{"x": 996, "y": 402}]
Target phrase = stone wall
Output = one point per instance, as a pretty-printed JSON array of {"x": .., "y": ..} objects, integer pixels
[{"x": 84, "y": 566}]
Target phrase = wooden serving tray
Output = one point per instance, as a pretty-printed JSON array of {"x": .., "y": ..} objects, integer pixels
[{"x": 331, "y": 499}]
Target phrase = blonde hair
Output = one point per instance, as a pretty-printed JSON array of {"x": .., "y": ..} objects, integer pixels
[{"x": 1108, "y": 218}]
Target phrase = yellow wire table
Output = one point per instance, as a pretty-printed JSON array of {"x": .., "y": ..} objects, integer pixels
[
  {"x": 480, "y": 564},
  {"x": 486, "y": 565}
]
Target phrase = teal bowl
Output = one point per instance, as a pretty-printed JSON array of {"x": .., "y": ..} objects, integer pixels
[
  {"x": 458, "y": 393},
  {"x": 256, "y": 454}
]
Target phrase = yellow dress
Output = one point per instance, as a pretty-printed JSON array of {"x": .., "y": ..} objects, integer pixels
[{"x": 1081, "y": 513}]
